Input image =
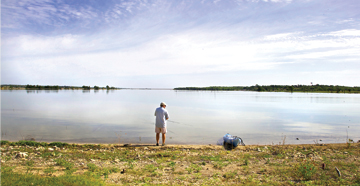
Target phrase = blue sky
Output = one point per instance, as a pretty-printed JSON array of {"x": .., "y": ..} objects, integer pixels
[{"x": 166, "y": 44}]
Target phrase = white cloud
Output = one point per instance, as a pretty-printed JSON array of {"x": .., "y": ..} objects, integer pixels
[
  {"x": 159, "y": 37},
  {"x": 282, "y": 36},
  {"x": 18, "y": 14},
  {"x": 343, "y": 33},
  {"x": 193, "y": 51},
  {"x": 345, "y": 21},
  {"x": 299, "y": 46}
]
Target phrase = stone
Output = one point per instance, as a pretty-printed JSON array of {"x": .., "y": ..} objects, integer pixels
[
  {"x": 40, "y": 148},
  {"x": 21, "y": 155},
  {"x": 50, "y": 149}
]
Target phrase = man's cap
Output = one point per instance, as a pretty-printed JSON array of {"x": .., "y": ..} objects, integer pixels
[{"x": 162, "y": 104}]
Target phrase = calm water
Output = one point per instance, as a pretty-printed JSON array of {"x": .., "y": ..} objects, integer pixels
[{"x": 196, "y": 117}]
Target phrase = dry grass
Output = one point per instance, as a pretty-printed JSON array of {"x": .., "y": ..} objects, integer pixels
[{"x": 190, "y": 164}]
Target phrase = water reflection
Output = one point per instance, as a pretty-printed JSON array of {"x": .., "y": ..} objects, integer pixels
[
  {"x": 40, "y": 91},
  {"x": 126, "y": 116}
]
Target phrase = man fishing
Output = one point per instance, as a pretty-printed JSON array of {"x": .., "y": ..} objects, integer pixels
[{"x": 160, "y": 124}]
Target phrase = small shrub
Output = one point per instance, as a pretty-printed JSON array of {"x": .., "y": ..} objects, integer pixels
[
  {"x": 305, "y": 170},
  {"x": 172, "y": 164},
  {"x": 58, "y": 144},
  {"x": 27, "y": 143},
  {"x": 4, "y": 142}
]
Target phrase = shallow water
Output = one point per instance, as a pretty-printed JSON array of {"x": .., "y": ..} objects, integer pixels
[{"x": 196, "y": 117}]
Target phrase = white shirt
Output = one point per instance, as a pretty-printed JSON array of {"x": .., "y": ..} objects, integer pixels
[{"x": 161, "y": 117}]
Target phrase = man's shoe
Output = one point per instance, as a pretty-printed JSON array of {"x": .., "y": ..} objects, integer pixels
[
  {"x": 157, "y": 144},
  {"x": 163, "y": 144}
]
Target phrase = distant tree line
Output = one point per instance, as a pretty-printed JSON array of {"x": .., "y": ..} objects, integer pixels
[
  {"x": 57, "y": 87},
  {"x": 280, "y": 88},
  {"x": 40, "y": 87}
]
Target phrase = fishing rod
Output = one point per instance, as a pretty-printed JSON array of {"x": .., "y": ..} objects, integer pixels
[{"x": 177, "y": 122}]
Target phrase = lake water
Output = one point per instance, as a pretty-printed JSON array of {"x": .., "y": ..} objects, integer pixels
[{"x": 196, "y": 117}]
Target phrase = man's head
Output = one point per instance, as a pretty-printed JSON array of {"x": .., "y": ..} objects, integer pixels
[{"x": 163, "y": 104}]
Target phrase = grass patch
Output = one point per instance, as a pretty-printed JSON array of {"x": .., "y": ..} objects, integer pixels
[
  {"x": 176, "y": 165},
  {"x": 194, "y": 168},
  {"x": 10, "y": 178}
]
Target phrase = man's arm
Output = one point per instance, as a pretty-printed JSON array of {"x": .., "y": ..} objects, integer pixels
[{"x": 166, "y": 116}]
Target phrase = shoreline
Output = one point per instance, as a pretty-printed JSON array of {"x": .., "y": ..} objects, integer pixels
[
  {"x": 174, "y": 144},
  {"x": 134, "y": 144},
  {"x": 144, "y": 163},
  {"x": 121, "y": 164},
  {"x": 175, "y": 89}
]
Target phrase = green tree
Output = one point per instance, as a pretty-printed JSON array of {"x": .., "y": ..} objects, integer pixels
[
  {"x": 291, "y": 88},
  {"x": 259, "y": 88}
]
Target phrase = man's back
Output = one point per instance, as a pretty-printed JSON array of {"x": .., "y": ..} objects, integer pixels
[{"x": 161, "y": 117}]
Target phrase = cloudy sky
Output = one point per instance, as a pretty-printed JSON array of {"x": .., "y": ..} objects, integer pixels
[{"x": 174, "y": 43}]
